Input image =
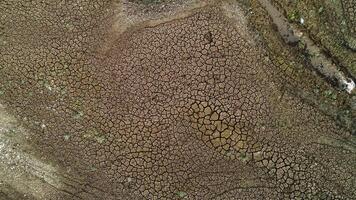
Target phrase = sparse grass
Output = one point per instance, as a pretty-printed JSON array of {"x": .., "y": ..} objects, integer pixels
[{"x": 293, "y": 16}]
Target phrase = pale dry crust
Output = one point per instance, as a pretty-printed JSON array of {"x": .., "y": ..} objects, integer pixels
[
  {"x": 130, "y": 15},
  {"x": 29, "y": 176}
]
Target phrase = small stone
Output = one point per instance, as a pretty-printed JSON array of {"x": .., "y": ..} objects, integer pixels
[
  {"x": 301, "y": 21},
  {"x": 66, "y": 137},
  {"x": 181, "y": 194}
]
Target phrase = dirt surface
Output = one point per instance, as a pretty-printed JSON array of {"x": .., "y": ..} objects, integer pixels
[{"x": 166, "y": 100}]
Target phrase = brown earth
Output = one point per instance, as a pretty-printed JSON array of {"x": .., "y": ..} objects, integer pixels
[{"x": 165, "y": 100}]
